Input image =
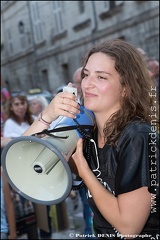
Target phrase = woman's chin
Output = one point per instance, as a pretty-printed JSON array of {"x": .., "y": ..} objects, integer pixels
[{"x": 88, "y": 105}]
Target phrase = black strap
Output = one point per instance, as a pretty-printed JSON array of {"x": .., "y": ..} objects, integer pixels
[{"x": 80, "y": 128}]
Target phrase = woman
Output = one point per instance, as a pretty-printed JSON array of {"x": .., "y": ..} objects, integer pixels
[
  {"x": 122, "y": 189},
  {"x": 37, "y": 104},
  {"x": 18, "y": 116},
  {"x": 18, "y": 120}
]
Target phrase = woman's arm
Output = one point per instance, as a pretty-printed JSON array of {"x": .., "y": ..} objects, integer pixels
[
  {"x": 10, "y": 210},
  {"x": 5, "y": 141},
  {"x": 128, "y": 212}
]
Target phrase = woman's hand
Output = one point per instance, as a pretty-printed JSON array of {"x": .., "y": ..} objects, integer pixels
[
  {"x": 63, "y": 104},
  {"x": 79, "y": 159}
]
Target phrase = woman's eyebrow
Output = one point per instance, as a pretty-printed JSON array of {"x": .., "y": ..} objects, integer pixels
[
  {"x": 99, "y": 72},
  {"x": 103, "y": 72},
  {"x": 85, "y": 69}
]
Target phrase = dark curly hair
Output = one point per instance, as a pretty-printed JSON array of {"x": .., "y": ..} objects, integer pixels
[{"x": 134, "y": 76}]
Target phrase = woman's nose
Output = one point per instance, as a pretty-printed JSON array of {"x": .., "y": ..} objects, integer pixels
[{"x": 89, "y": 82}]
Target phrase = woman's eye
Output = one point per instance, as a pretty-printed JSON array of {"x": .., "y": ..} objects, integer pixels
[
  {"x": 101, "y": 77},
  {"x": 85, "y": 75}
]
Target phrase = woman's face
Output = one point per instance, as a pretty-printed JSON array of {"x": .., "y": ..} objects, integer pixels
[
  {"x": 35, "y": 107},
  {"x": 101, "y": 86},
  {"x": 19, "y": 107}
]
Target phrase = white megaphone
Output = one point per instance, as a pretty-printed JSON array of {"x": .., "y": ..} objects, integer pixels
[{"x": 37, "y": 168}]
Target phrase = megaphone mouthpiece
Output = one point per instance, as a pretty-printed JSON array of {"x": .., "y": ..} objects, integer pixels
[{"x": 45, "y": 161}]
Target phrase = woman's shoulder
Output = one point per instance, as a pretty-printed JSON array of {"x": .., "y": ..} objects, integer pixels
[
  {"x": 137, "y": 126},
  {"x": 34, "y": 117},
  {"x": 137, "y": 129},
  {"x": 9, "y": 121}
]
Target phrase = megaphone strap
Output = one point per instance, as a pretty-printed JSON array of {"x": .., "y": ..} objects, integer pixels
[
  {"x": 82, "y": 131},
  {"x": 80, "y": 128}
]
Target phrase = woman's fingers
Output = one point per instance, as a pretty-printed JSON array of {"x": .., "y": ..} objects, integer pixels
[
  {"x": 80, "y": 145},
  {"x": 78, "y": 154},
  {"x": 63, "y": 104},
  {"x": 79, "y": 159}
]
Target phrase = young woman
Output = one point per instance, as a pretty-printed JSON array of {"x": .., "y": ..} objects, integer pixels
[
  {"x": 18, "y": 116},
  {"x": 121, "y": 172},
  {"x": 18, "y": 120}
]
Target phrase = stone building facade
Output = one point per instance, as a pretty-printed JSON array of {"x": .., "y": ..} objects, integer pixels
[{"x": 43, "y": 42}]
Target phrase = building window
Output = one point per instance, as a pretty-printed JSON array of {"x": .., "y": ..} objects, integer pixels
[
  {"x": 108, "y": 5},
  {"x": 10, "y": 41},
  {"x": 111, "y": 8},
  {"x": 65, "y": 71},
  {"x": 57, "y": 11},
  {"x": 117, "y": 3},
  {"x": 45, "y": 79},
  {"x": 81, "y": 6},
  {"x": 21, "y": 28},
  {"x": 22, "y": 41},
  {"x": 36, "y": 21}
]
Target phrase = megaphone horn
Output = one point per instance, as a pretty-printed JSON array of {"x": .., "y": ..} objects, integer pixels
[{"x": 37, "y": 168}]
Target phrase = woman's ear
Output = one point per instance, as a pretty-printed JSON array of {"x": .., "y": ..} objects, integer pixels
[{"x": 124, "y": 92}]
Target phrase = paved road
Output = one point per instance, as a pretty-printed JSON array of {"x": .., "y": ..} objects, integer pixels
[{"x": 75, "y": 222}]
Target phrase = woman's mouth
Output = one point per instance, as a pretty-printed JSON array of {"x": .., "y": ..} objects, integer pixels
[{"x": 89, "y": 95}]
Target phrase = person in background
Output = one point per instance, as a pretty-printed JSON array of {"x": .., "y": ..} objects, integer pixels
[
  {"x": 37, "y": 104},
  {"x": 87, "y": 212},
  {"x": 18, "y": 116},
  {"x": 115, "y": 85},
  {"x": 8, "y": 219},
  {"x": 77, "y": 83},
  {"x": 154, "y": 68},
  {"x": 5, "y": 96},
  {"x": 18, "y": 120}
]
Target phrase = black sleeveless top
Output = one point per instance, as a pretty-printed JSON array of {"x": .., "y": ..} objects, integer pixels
[{"x": 132, "y": 164}]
